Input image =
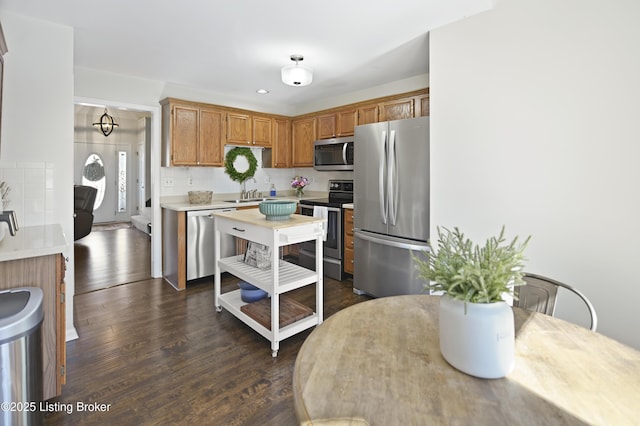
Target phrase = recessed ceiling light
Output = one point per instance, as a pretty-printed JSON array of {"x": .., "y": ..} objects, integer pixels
[{"x": 262, "y": 91}]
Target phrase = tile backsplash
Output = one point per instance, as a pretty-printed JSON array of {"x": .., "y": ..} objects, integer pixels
[{"x": 32, "y": 191}]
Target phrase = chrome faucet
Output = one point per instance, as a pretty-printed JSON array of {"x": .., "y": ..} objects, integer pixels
[
  {"x": 244, "y": 194},
  {"x": 9, "y": 216}
]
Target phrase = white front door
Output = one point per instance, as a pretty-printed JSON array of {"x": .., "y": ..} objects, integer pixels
[{"x": 108, "y": 168}]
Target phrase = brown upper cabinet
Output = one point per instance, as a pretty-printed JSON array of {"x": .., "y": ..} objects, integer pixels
[
  {"x": 192, "y": 135},
  {"x": 368, "y": 114},
  {"x": 281, "y": 143},
  {"x": 336, "y": 124},
  {"x": 303, "y": 134},
  {"x": 397, "y": 109},
  {"x": 244, "y": 129},
  {"x": 326, "y": 126}
]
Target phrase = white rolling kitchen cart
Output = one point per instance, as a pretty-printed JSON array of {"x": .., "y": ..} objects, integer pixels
[{"x": 251, "y": 225}]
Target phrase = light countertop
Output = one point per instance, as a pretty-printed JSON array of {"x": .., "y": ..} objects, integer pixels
[
  {"x": 33, "y": 241},
  {"x": 254, "y": 217},
  {"x": 182, "y": 203}
]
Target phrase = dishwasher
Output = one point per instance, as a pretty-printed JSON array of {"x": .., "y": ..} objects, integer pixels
[{"x": 200, "y": 243}]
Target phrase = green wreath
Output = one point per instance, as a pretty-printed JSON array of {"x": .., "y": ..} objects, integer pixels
[{"x": 230, "y": 159}]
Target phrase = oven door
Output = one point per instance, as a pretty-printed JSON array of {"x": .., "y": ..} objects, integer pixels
[{"x": 333, "y": 245}]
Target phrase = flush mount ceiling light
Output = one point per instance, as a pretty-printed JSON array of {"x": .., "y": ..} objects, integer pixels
[
  {"x": 296, "y": 75},
  {"x": 106, "y": 124}
]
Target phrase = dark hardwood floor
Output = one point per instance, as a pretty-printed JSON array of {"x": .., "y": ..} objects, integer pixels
[
  {"x": 153, "y": 355},
  {"x": 111, "y": 255}
]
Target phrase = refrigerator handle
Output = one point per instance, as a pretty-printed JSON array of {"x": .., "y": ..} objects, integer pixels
[
  {"x": 381, "y": 167},
  {"x": 392, "y": 179},
  {"x": 391, "y": 243}
]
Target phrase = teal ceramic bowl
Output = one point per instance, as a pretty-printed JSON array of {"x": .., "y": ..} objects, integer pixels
[{"x": 277, "y": 210}]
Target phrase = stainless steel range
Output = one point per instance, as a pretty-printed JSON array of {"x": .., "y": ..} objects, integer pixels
[{"x": 340, "y": 192}]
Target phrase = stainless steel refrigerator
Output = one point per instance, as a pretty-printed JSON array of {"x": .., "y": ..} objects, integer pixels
[{"x": 391, "y": 205}]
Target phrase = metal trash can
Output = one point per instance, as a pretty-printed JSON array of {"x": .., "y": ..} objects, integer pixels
[{"x": 21, "y": 319}]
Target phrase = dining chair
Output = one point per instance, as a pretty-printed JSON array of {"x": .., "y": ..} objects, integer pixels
[{"x": 540, "y": 295}]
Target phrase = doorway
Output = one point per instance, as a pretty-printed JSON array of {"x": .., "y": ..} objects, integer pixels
[
  {"x": 139, "y": 130},
  {"x": 116, "y": 165}
]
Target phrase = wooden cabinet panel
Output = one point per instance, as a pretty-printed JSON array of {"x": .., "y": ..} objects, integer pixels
[
  {"x": 61, "y": 320},
  {"x": 326, "y": 126},
  {"x": 422, "y": 105},
  {"x": 397, "y": 109},
  {"x": 338, "y": 124},
  {"x": 261, "y": 131},
  {"x": 238, "y": 129},
  {"x": 47, "y": 273},
  {"x": 211, "y": 142},
  {"x": 303, "y": 135},
  {"x": 184, "y": 135},
  {"x": 191, "y": 135},
  {"x": 346, "y": 122},
  {"x": 281, "y": 143},
  {"x": 348, "y": 241},
  {"x": 368, "y": 114}
]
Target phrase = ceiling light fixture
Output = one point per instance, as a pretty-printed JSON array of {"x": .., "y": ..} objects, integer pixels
[
  {"x": 106, "y": 124},
  {"x": 296, "y": 75},
  {"x": 262, "y": 91}
]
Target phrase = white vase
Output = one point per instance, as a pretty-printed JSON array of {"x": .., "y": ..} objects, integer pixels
[{"x": 480, "y": 341}]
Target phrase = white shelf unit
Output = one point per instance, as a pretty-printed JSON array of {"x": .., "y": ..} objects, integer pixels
[{"x": 251, "y": 225}]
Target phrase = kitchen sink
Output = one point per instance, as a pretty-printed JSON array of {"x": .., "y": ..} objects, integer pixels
[{"x": 248, "y": 200}]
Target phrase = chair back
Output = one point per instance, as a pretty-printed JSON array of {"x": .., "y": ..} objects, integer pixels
[
  {"x": 540, "y": 295},
  {"x": 84, "y": 197}
]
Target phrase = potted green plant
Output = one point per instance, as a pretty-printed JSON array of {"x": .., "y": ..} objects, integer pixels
[{"x": 476, "y": 325}]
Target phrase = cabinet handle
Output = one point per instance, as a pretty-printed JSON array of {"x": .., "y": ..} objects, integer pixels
[{"x": 238, "y": 229}]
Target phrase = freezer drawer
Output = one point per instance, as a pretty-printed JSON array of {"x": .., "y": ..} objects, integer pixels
[{"x": 384, "y": 265}]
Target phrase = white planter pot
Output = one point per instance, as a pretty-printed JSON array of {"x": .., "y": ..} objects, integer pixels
[{"x": 480, "y": 342}]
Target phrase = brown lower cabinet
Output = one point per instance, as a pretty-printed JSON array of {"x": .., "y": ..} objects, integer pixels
[
  {"x": 348, "y": 241},
  {"x": 46, "y": 272}
]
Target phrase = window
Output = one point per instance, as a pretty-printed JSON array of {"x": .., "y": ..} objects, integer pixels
[{"x": 93, "y": 174}]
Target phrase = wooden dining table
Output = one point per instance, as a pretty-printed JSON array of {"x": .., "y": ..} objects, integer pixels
[{"x": 379, "y": 363}]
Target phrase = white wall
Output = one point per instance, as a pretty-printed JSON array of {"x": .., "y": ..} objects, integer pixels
[
  {"x": 534, "y": 109},
  {"x": 37, "y": 128}
]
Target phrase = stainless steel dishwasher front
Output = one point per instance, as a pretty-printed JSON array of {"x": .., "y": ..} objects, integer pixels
[{"x": 200, "y": 243}]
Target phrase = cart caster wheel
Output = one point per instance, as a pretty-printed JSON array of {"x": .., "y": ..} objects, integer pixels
[
  {"x": 218, "y": 308},
  {"x": 274, "y": 354}
]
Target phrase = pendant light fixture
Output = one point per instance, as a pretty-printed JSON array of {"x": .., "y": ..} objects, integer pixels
[
  {"x": 106, "y": 124},
  {"x": 296, "y": 75}
]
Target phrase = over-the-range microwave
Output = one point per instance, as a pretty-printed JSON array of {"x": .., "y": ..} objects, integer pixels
[{"x": 333, "y": 154}]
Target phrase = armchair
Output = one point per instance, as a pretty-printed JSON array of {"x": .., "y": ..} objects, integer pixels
[{"x": 84, "y": 199}]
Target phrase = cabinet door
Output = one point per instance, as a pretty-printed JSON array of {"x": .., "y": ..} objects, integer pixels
[
  {"x": 346, "y": 122},
  {"x": 238, "y": 129},
  {"x": 61, "y": 320},
  {"x": 184, "y": 136},
  {"x": 422, "y": 105},
  {"x": 281, "y": 143},
  {"x": 261, "y": 131},
  {"x": 348, "y": 241},
  {"x": 368, "y": 114},
  {"x": 396, "y": 110},
  {"x": 303, "y": 135},
  {"x": 327, "y": 126},
  {"x": 211, "y": 143}
]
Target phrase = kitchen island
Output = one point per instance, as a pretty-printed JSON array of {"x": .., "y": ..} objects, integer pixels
[{"x": 253, "y": 226}]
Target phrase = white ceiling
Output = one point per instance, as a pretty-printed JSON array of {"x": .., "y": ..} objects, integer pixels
[{"x": 235, "y": 47}]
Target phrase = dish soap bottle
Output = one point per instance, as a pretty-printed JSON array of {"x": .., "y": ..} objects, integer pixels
[{"x": 272, "y": 193}]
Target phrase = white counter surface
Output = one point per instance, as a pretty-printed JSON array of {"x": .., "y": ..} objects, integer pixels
[
  {"x": 33, "y": 241},
  {"x": 221, "y": 204}
]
